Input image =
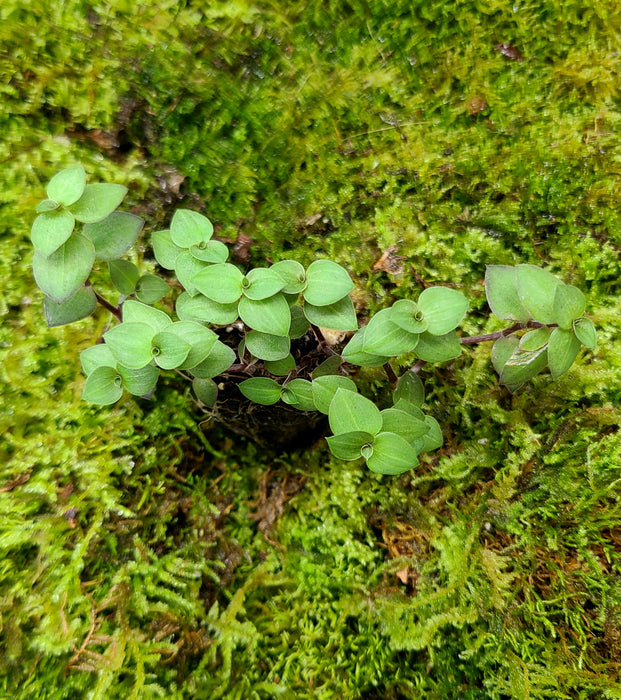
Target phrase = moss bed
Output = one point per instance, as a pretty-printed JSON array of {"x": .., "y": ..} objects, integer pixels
[{"x": 145, "y": 553}]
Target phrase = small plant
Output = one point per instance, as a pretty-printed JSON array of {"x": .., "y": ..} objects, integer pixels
[{"x": 273, "y": 308}]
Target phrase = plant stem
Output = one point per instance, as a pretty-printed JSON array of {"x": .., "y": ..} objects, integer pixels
[
  {"x": 390, "y": 373},
  {"x": 474, "y": 339},
  {"x": 114, "y": 310}
]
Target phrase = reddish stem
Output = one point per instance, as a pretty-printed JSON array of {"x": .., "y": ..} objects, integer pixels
[{"x": 114, "y": 310}]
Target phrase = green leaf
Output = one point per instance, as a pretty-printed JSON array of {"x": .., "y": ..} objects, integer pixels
[
  {"x": 325, "y": 387},
  {"x": 139, "y": 382},
  {"x": 563, "y": 349},
  {"x": 68, "y": 185},
  {"x": 266, "y": 346},
  {"x": 502, "y": 293},
  {"x": 410, "y": 388},
  {"x": 261, "y": 390},
  {"x": 348, "y": 446},
  {"x": 186, "y": 269},
  {"x": 97, "y": 202},
  {"x": 404, "y": 424},
  {"x": 46, "y": 205},
  {"x": 210, "y": 251},
  {"x": 218, "y": 361},
  {"x": 292, "y": 274},
  {"x": 130, "y": 344},
  {"x": 164, "y": 249},
  {"x": 78, "y": 306},
  {"x": 328, "y": 367},
  {"x": 151, "y": 288},
  {"x": 103, "y": 386},
  {"x": 410, "y": 408},
  {"x": 383, "y": 337},
  {"x": 352, "y": 412},
  {"x": 522, "y": 366},
  {"x": 443, "y": 309},
  {"x": 189, "y": 228},
  {"x": 169, "y": 350},
  {"x": 280, "y": 368},
  {"x": 569, "y": 304},
  {"x": 267, "y": 315},
  {"x": 299, "y": 393},
  {"x": 50, "y": 230},
  {"x": 199, "y": 308},
  {"x": 406, "y": 314},
  {"x": 62, "y": 273},
  {"x": 114, "y": 235},
  {"x": 535, "y": 339},
  {"x": 299, "y": 322},
  {"x": 536, "y": 290},
  {"x": 136, "y": 312},
  {"x": 391, "y": 455},
  {"x": 433, "y": 439},
  {"x": 326, "y": 283},
  {"x": 261, "y": 283},
  {"x": 354, "y": 354},
  {"x": 96, "y": 356},
  {"x": 438, "y": 348},
  {"x": 124, "y": 275},
  {"x": 221, "y": 282},
  {"x": 585, "y": 332},
  {"x": 206, "y": 391},
  {"x": 200, "y": 339},
  {"x": 502, "y": 350},
  {"x": 340, "y": 316}
]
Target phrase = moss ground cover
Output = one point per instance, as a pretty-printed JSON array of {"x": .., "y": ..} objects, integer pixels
[{"x": 144, "y": 554}]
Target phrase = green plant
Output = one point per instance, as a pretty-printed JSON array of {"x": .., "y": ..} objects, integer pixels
[{"x": 273, "y": 306}]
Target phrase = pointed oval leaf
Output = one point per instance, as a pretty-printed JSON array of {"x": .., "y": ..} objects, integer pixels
[
  {"x": 409, "y": 408},
  {"x": 328, "y": 367},
  {"x": 354, "y": 353},
  {"x": 218, "y": 361},
  {"x": 403, "y": 424},
  {"x": 266, "y": 346},
  {"x": 186, "y": 269},
  {"x": 502, "y": 293},
  {"x": 261, "y": 390},
  {"x": 340, "y": 316},
  {"x": 189, "y": 228},
  {"x": 103, "y": 386},
  {"x": 114, "y": 235},
  {"x": 392, "y": 455},
  {"x": 68, "y": 185},
  {"x": 438, "y": 348},
  {"x": 537, "y": 289},
  {"x": 50, "y": 230},
  {"x": 78, "y": 306},
  {"x": 200, "y": 339},
  {"x": 569, "y": 304},
  {"x": 383, "y": 337},
  {"x": 406, "y": 314},
  {"x": 169, "y": 350},
  {"x": 210, "y": 251},
  {"x": 325, "y": 387},
  {"x": 502, "y": 350},
  {"x": 97, "y": 202},
  {"x": 348, "y": 446},
  {"x": 136, "y": 312},
  {"x": 299, "y": 393},
  {"x": 164, "y": 249},
  {"x": 434, "y": 439},
  {"x": 151, "y": 288},
  {"x": 124, "y": 275},
  {"x": 139, "y": 382},
  {"x": 199, "y": 308},
  {"x": 270, "y": 315},
  {"x": 585, "y": 331},
  {"x": 61, "y": 274},
  {"x": 523, "y": 365},
  {"x": 443, "y": 309},
  {"x": 261, "y": 283},
  {"x": 96, "y": 356},
  {"x": 293, "y": 275},
  {"x": 280, "y": 368},
  {"x": 130, "y": 344},
  {"x": 326, "y": 283},
  {"x": 46, "y": 205},
  {"x": 410, "y": 388},
  {"x": 206, "y": 391},
  {"x": 351, "y": 412},
  {"x": 563, "y": 349},
  {"x": 299, "y": 323},
  {"x": 221, "y": 282},
  {"x": 535, "y": 339}
]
